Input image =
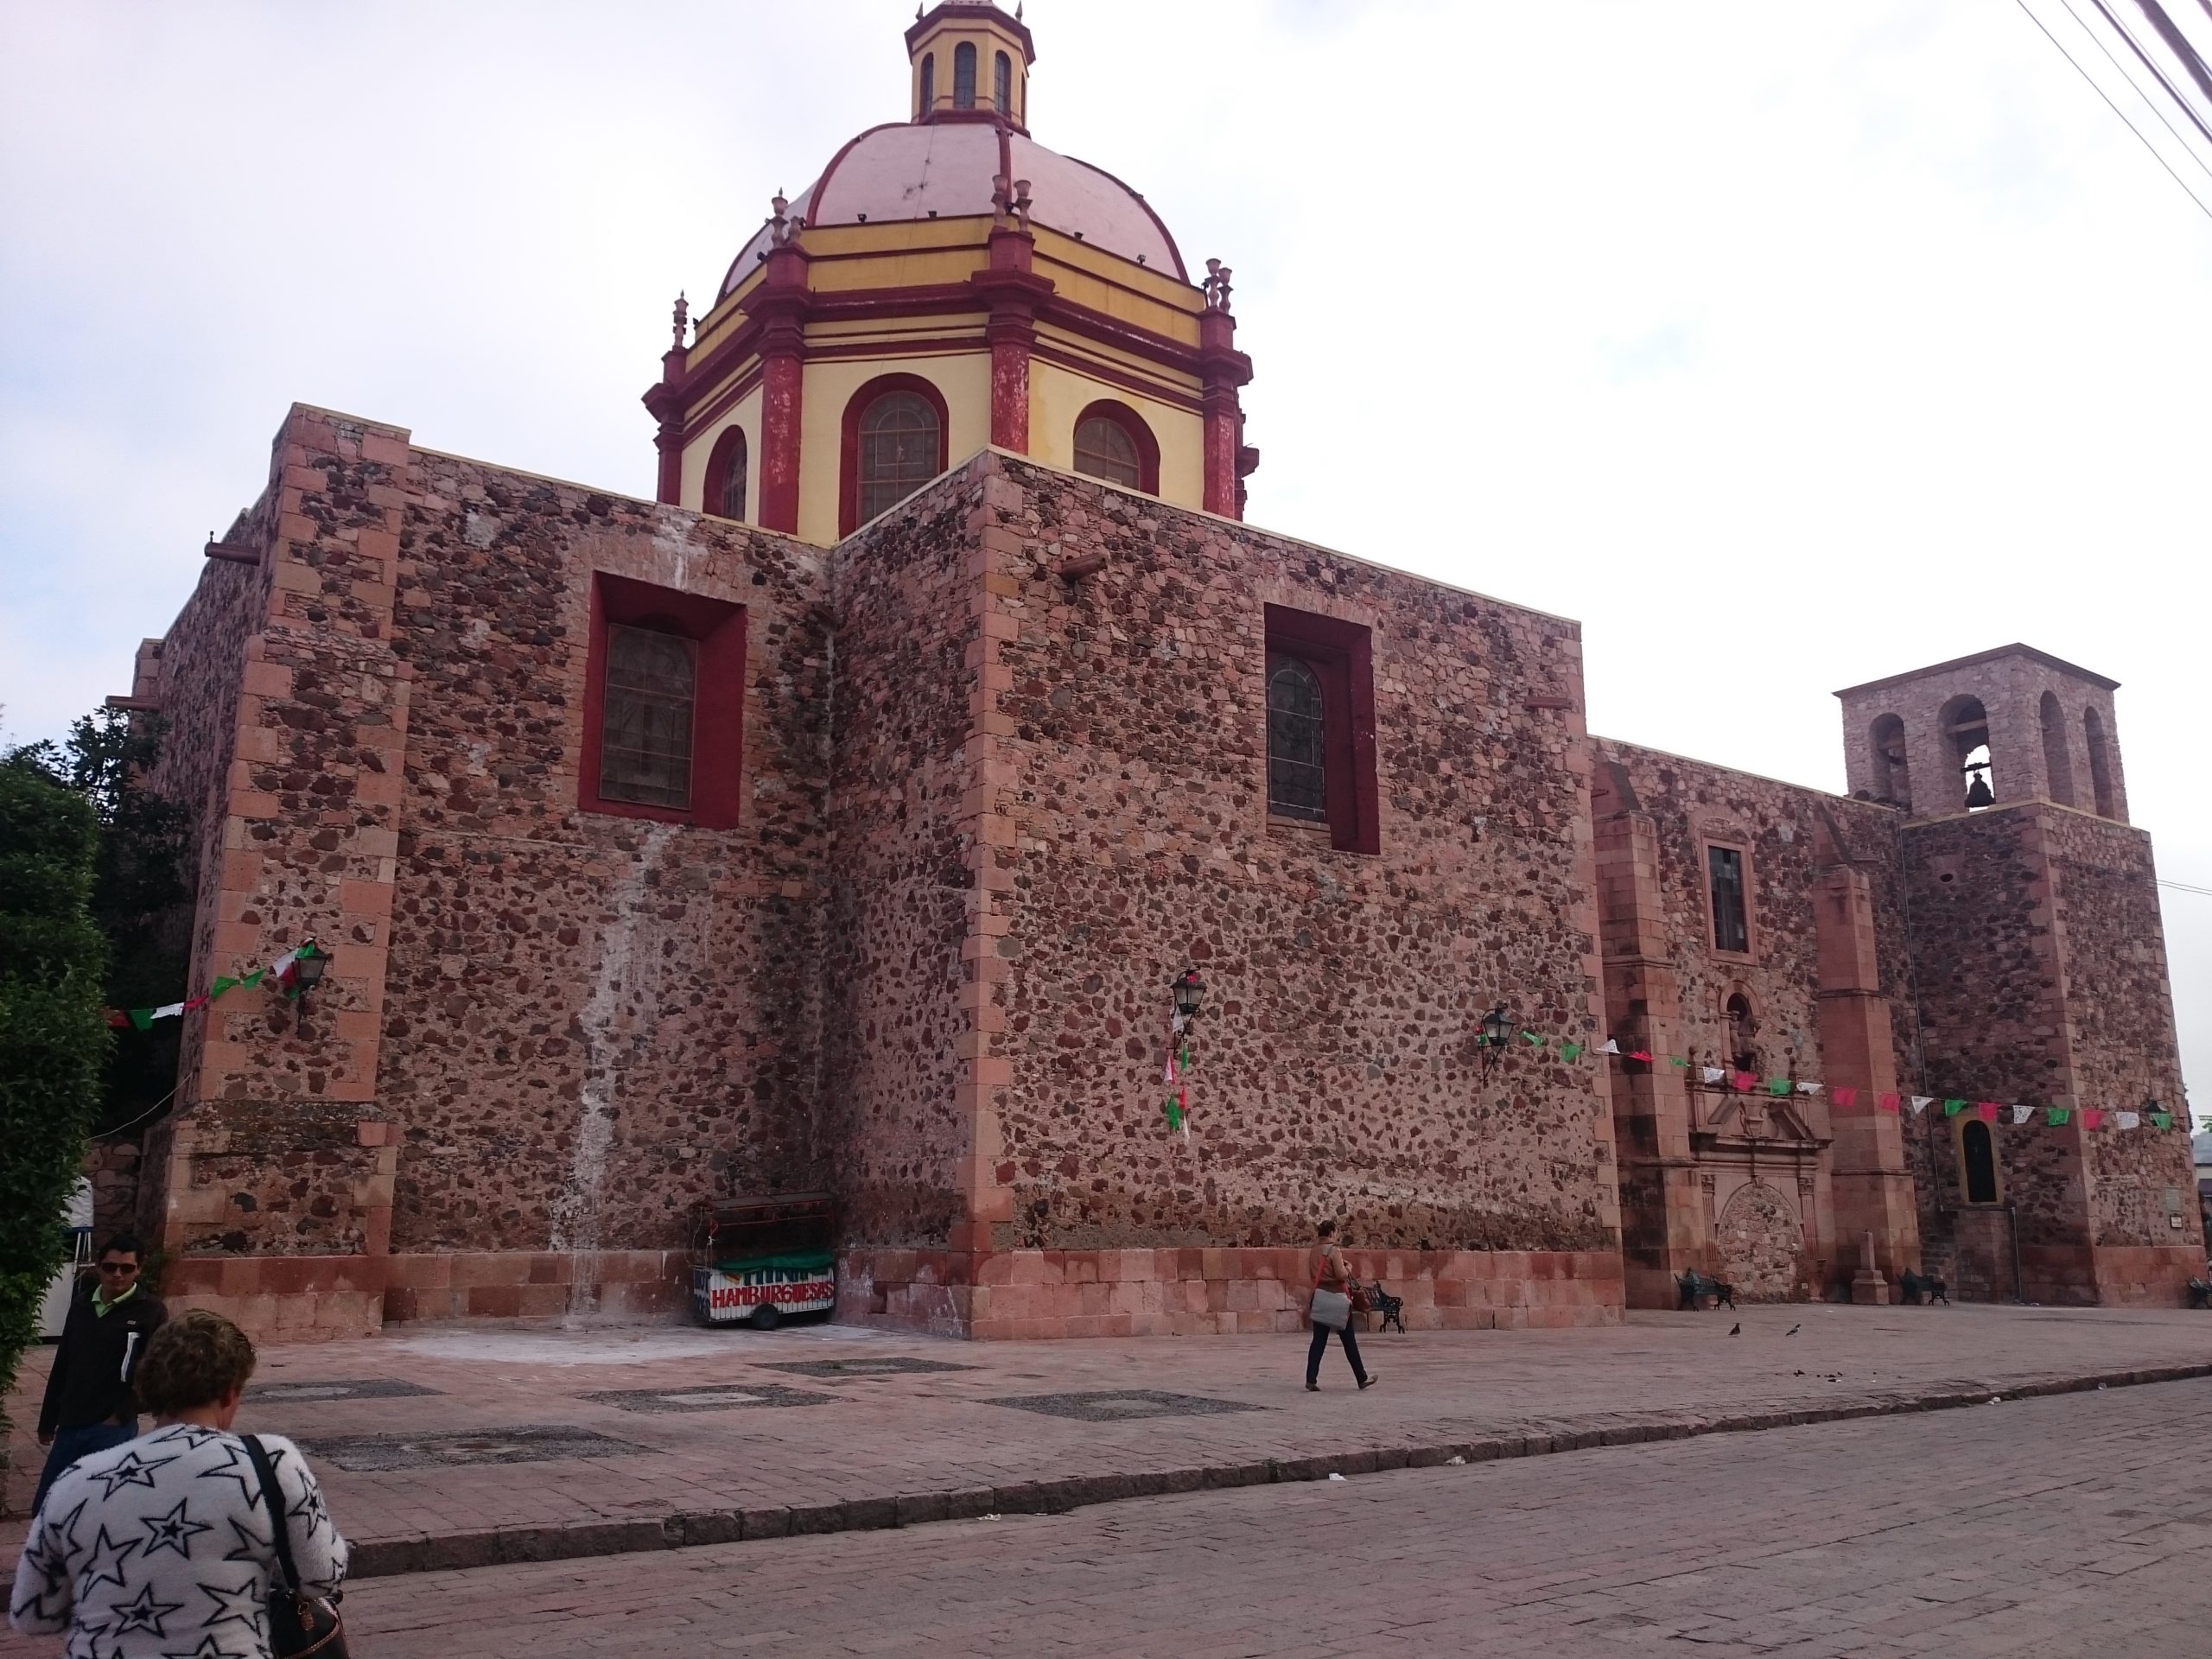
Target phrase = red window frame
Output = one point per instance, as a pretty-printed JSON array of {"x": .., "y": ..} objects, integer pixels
[
  {"x": 1342, "y": 655},
  {"x": 717, "y": 626},
  {"x": 848, "y": 458}
]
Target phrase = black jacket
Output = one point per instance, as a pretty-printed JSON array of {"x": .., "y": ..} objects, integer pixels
[{"x": 91, "y": 1379}]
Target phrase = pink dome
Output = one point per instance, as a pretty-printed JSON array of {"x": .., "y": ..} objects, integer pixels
[{"x": 905, "y": 171}]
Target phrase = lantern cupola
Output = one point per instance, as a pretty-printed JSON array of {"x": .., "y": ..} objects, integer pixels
[{"x": 970, "y": 63}]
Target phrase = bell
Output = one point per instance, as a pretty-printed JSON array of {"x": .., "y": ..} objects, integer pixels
[{"x": 1978, "y": 795}]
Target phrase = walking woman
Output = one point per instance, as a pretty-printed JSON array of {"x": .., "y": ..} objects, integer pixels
[
  {"x": 1332, "y": 1309},
  {"x": 164, "y": 1546}
]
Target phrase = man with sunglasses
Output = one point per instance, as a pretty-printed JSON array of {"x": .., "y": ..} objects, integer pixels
[{"x": 89, "y": 1406}]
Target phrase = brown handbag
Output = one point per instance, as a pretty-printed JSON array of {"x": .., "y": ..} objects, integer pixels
[{"x": 299, "y": 1625}]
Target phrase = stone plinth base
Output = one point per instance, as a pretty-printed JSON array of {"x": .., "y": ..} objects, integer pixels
[
  {"x": 320, "y": 1297},
  {"x": 1026, "y": 1294}
]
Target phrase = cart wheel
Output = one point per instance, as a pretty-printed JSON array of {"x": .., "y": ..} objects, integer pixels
[{"x": 766, "y": 1317}]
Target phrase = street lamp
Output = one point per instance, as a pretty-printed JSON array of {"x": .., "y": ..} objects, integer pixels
[
  {"x": 1498, "y": 1030},
  {"x": 307, "y": 964},
  {"x": 1188, "y": 988},
  {"x": 310, "y": 963}
]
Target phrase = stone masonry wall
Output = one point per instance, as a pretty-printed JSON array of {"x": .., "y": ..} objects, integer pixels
[
  {"x": 1994, "y": 1019},
  {"x": 904, "y": 869},
  {"x": 195, "y": 675},
  {"x": 592, "y": 1021},
  {"x": 1336, "y": 1070},
  {"x": 2121, "y": 1039},
  {"x": 1792, "y": 837},
  {"x": 1791, "y": 833}
]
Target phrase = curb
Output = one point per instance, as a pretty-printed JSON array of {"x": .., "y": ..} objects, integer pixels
[{"x": 510, "y": 1545}]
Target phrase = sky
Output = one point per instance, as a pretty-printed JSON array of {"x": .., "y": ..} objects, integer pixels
[{"x": 1786, "y": 347}]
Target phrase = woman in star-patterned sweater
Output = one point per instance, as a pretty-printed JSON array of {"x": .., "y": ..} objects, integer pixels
[{"x": 161, "y": 1549}]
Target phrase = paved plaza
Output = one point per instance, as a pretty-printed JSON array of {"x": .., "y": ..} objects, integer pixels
[
  {"x": 2045, "y": 1528},
  {"x": 455, "y": 1447}
]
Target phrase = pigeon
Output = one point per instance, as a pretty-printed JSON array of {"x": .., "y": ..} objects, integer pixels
[
  {"x": 1793, "y": 1330},
  {"x": 1735, "y": 1330}
]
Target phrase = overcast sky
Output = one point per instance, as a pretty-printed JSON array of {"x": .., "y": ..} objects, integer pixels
[{"x": 1786, "y": 345}]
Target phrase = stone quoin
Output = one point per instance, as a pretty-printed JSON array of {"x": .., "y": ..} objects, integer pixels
[{"x": 836, "y": 822}]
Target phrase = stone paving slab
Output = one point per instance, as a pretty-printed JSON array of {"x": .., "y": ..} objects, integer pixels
[
  {"x": 2045, "y": 1529},
  {"x": 888, "y": 1447}
]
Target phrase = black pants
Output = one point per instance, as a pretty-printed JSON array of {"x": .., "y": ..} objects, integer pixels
[{"x": 1321, "y": 1341}]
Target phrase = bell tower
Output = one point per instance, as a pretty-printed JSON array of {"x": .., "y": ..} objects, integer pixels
[
  {"x": 970, "y": 63},
  {"x": 2039, "y": 970},
  {"x": 2004, "y": 726}
]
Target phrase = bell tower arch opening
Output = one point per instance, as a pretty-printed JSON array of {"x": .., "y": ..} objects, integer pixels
[
  {"x": 1964, "y": 726},
  {"x": 1892, "y": 769},
  {"x": 2058, "y": 761},
  {"x": 2093, "y": 731}
]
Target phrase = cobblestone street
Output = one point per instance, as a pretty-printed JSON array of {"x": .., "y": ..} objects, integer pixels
[{"x": 2062, "y": 1527}]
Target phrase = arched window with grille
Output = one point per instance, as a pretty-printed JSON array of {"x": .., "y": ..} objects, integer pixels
[
  {"x": 727, "y": 475},
  {"x": 963, "y": 76},
  {"x": 1003, "y": 84},
  {"x": 1105, "y": 449},
  {"x": 1112, "y": 443},
  {"x": 895, "y": 444},
  {"x": 928, "y": 82},
  {"x": 1298, "y": 776}
]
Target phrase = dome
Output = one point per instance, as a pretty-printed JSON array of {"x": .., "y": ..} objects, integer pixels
[{"x": 907, "y": 171}]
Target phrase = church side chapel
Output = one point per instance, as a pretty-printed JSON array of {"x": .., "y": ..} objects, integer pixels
[{"x": 939, "y": 809}]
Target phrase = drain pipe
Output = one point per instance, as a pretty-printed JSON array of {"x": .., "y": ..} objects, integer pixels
[{"x": 2013, "y": 1226}]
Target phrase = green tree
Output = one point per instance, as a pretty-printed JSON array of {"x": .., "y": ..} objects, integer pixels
[
  {"x": 53, "y": 1034},
  {"x": 140, "y": 902}
]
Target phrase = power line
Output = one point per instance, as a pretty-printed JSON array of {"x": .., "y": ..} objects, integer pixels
[
  {"x": 2183, "y": 886},
  {"x": 2155, "y": 73},
  {"x": 2201, "y": 204}
]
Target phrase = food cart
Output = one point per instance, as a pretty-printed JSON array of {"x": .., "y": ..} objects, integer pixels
[{"x": 764, "y": 1258}]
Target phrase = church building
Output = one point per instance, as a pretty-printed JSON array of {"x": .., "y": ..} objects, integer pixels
[{"x": 837, "y": 821}]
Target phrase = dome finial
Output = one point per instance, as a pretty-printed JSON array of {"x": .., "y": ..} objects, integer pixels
[{"x": 683, "y": 317}]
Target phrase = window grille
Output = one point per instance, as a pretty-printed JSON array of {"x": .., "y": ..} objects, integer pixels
[
  {"x": 1104, "y": 449},
  {"x": 1297, "y": 775},
  {"x": 645, "y": 751},
  {"x": 733, "y": 480},
  {"x": 899, "y": 450},
  {"x": 1731, "y": 921}
]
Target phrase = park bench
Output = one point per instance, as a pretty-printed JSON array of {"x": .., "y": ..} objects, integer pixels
[
  {"x": 1919, "y": 1287},
  {"x": 1694, "y": 1287},
  {"x": 1388, "y": 1310}
]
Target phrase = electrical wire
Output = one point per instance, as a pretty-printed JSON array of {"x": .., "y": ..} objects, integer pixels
[
  {"x": 2203, "y": 206},
  {"x": 2183, "y": 886},
  {"x": 141, "y": 1118},
  {"x": 2157, "y": 74}
]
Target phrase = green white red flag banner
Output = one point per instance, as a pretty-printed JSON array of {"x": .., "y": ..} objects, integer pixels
[{"x": 285, "y": 970}]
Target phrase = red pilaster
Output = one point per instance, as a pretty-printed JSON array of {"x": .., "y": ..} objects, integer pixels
[
  {"x": 1225, "y": 369},
  {"x": 666, "y": 400},
  {"x": 781, "y": 307},
  {"x": 1013, "y": 291}
]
